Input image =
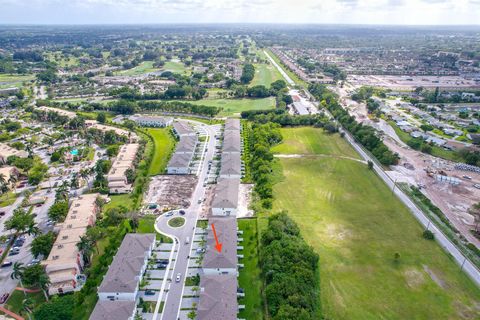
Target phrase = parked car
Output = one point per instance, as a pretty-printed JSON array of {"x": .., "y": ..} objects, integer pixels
[
  {"x": 187, "y": 240},
  {"x": 2, "y": 213},
  {"x": 477, "y": 185},
  {"x": 177, "y": 279},
  {"x": 4, "y": 297},
  {"x": 200, "y": 250},
  {"x": 6, "y": 264},
  {"x": 169, "y": 214},
  {"x": 149, "y": 292},
  {"x": 182, "y": 212},
  {"x": 13, "y": 253}
]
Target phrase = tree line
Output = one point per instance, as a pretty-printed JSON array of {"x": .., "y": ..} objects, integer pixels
[
  {"x": 261, "y": 137},
  {"x": 366, "y": 135},
  {"x": 289, "y": 268}
]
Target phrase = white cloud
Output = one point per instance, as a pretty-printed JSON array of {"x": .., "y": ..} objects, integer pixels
[{"x": 268, "y": 11}]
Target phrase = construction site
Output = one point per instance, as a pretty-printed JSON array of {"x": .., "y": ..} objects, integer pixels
[
  {"x": 450, "y": 186},
  {"x": 169, "y": 192}
]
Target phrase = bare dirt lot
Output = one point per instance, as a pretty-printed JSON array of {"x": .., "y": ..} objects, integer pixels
[{"x": 171, "y": 191}]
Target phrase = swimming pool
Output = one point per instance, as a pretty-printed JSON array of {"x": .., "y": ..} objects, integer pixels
[{"x": 74, "y": 152}]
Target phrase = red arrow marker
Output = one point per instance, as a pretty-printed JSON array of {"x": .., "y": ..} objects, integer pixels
[{"x": 218, "y": 245}]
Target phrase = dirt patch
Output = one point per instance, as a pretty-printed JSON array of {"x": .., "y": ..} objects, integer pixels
[
  {"x": 414, "y": 278},
  {"x": 244, "y": 200},
  {"x": 337, "y": 232},
  {"x": 435, "y": 277},
  {"x": 171, "y": 191}
]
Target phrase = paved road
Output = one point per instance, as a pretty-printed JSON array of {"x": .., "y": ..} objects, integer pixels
[
  {"x": 7, "y": 284},
  {"x": 171, "y": 307},
  {"x": 280, "y": 69},
  {"x": 465, "y": 264}
]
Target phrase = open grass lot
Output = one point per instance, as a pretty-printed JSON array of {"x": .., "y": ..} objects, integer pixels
[
  {"x": 232, "y": 107},
  {"x": 142, "y": 68},
  {"x": 119, "y": 200},
  {"x": 15, "y": 302},
  {"x": 13, "y": 80},
  {"x": 356, "y": 225},
  {"x": 7, "y": 199},
  {"x": 265, "y": 74},
  {"x": 290, "y": 73},
  {"x": 146, "y": 225},
  {"x": 174, "y": 66},
  {"x": 164, "y": 144},
  {"x": 249, "y": 278},
  {"x": 308, "y": 140}
]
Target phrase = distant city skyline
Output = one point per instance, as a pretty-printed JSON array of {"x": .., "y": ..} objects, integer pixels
[{"x": 391, "y": 12}]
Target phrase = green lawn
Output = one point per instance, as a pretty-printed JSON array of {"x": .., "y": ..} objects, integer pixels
[
  {"x": 265, "y": 74},
  {"x": 142, "y": 68},
  {"x": 119, "y": 200},
  {"x": 290, "y": 73},
  {"x": 174, "y": 66},
  {"x": 15, "y": 302},
  {"x": 308, "y": 140},
  {"x": 146, "y": 225},
  {"x": 7, "y": 199},
  {"x": 356, "y": 225},
  {"x": 249, "y": 278},
  {"x": 13, "y": 80},
  {"x": 164, "y": 144},
  {"x": 236, "y": 106}
]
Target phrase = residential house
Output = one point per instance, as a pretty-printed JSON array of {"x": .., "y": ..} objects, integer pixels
[
  {"x": 223, "y": 262},
  {"x": 218, "y": 298},
  {"x": 225, "y": 199}
]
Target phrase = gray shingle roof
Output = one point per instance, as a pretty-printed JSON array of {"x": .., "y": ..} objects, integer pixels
[
  {"x": 186, "y": 144},
  {"x": 226, "y": 193},
  {"x": 218, "y": 298},
  {"x": 127, "y": 263},
  {"x": 231, "y": 164},
  {"x": 231, "y": 141},
  {"x": 232, "y": 124},
  {"x": 180, "y": 160},
  {"x": 183, "y": 128},
  {"x": 113, "y": 310},
  {"x": 226, "y": 228}
]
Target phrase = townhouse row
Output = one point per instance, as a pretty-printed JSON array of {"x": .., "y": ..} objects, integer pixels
[{"x": 184, "y": 154}]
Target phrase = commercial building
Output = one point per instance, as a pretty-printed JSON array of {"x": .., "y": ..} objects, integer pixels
[
  {"x": 218, "y": 298},
  {"x": 224, "y": 262},
  {"x": 152, "y": 121},
  {"x": 7, "y": 151},
  {"x": 225, "y": 199},
  {"x": 117, "y": 179},
  {"x": 128, "y": 266},
  {"x": 65, "y": 262}
]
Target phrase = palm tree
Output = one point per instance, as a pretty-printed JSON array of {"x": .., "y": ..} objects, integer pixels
[
  {"x": 3, "y": 182},
  {"x": 33, "y": 229},
  {"x": 13, "y": 181},
  {"x": 28, "y": 305},
  {"x": 85, "y": 246},
  {"x": 17, "y": 274},
  {"x": 43, "y": 282}
]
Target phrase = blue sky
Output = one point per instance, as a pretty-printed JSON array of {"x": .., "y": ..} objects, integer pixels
[{"x": 402, "y": 12}]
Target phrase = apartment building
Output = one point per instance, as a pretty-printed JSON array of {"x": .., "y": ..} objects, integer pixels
[
  {"x": 65, "y": 261},
  {"x": 117, "y": 179},
  {"x": 152, "y": 121}
]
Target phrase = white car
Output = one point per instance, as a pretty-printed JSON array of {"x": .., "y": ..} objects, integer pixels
[{"x": 177, "y": 279}]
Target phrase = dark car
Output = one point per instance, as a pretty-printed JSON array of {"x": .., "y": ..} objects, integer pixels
[
  {"x": 6, "y": 264},
  {"x": 182, "y": 212},
  {"x": 149, "y": 292},
  {"x": 4, "y": 297},
  {"x": 2, "y": 213},
  {"x": 13, "y": 253}
]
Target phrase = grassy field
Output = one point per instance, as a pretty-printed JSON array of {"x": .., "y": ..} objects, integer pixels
[
  {"x": 265, "y": 74},
  {"x": 164, "y": 144},
  {"x": 290, "y": 73},
  {"x": 249, "y": 278},
  {"x": 146, "y": 225},
  {"x": 119, "y": 200},
  {"x": 174, "y": 66},
  {"x": 13, "y": 80},
  {"x": 7, "y": 199},
  {"x": 357, "y": 226},
  {"x": 15, "y": 302},
  {"x": 142, "y": 68},
  {"x": 233, "y": 107},
  {"x": 308, "y": 140}
]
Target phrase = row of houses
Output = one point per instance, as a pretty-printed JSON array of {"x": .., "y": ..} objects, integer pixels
[
  {"x": 64, "y": 265},
  {"x": 118, "y": 292},
  {"x": 152, "y": 121},
  {"x": 117, "y": 177},
  {"x": 185, "y": 149},
  {"x": 7, "y": 151},
  {"x": 218, "y": 284}
]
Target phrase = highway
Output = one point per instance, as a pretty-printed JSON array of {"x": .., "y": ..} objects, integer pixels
[
  {"x": 467, "y": 266},
  {"x": 171, "y": 309}
]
